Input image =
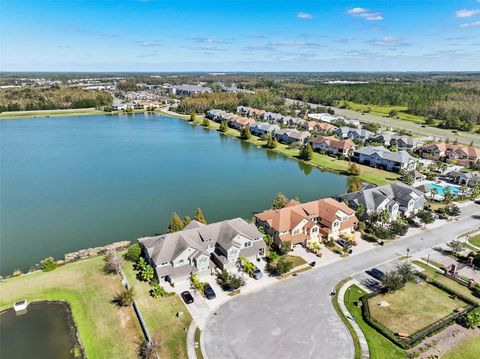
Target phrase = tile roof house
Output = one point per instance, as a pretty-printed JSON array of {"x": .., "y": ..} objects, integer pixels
[
  {"x": 380, "y": 157},
  {"x": 302, "y": 223},
  {"x": 317, "y": 126},
  {"x": 333, "y": 145},
  {"x": 241, "y": 122},
  {"x": 396, "y": 198},
  {"x": 290, "y": 136},
  {"x": 264, "y": 128},
  {"x": 199, "y": 247},
  {"x": 465, "y": 156}
]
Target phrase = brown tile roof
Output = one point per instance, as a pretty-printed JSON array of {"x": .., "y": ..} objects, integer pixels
[
  {"x": 244, "y": 121},
  {"x": 334, "y": 142},
  {"x": 285, "y": 219},
  {"x": 294, "y": 239}
]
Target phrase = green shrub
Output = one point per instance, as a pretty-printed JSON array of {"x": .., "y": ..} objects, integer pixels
[
  {"x": 133, "y": 252},
  {"x": 48, "y": 264}
]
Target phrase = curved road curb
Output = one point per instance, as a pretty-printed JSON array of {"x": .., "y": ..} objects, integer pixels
[
  {"x": 191, "y": 341},
  {"x": 341, "y": 302}
]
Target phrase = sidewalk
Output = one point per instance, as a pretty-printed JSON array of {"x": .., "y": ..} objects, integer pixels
[{"x": 341, "y": 302}]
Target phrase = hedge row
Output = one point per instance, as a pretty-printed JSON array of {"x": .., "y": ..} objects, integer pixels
[{"x": 407, "y": 343}]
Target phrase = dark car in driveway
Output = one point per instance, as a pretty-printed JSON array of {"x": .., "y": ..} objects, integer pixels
[
  {"x": 377, "y": 273},
  {"x": 187, "y": 297},
  {"x": 208, "y": 291},
  {"x": 344, "y": 243},
  {"x": 257, "y": 273}
]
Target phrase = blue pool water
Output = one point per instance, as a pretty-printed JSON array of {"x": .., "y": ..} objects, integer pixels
[{"x": 441, "y": 189}]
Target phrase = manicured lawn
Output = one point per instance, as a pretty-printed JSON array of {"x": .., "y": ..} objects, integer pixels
[
  {"x": 413, "y": 308},
  {"x": 379, "y": 346},
  {"x": 106, "y": 331},
  {"x": 296, "y": 260},
  {"x": 475, "y": 240},
  {"x": 160, "y": 317},
  {"x": 468, "y": 349},
  {"x": 367, "y": 174},
  {"x": 439, "y": 277}
]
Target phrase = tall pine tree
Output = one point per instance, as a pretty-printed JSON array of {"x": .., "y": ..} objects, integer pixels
[
  {"x": 199, "y": 217},
  {"x": 176, "y": 224}
]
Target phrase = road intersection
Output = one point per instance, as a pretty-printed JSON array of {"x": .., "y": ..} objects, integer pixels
[{"x": 295, "y": 318}]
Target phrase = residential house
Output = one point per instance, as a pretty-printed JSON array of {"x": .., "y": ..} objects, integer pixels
[
  {"x": 402, "y": 142},
  {"x": 199, "y": 247},
  {"x": 326, "y": 117},
  {"x": 469, "y": 179},
  {"x": 215, "y": 115},
  {"x": 332, "y": 145},
  {"x": 463, "y": 155},
  {"x": 289, "y": 136},
  {"x": 354, "y": 133},
  {"x": 317, "y": 126},
  {"x": 396, "y": 198},
  {"x": 305, "y": 223},
  {"x": 264, "y": 128},
  {"x": 380, "y": 157},
  {"x": 241, "y": 122},
  {"x": 243, "y": 110}
]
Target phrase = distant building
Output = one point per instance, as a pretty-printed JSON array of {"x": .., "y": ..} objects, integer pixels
[{"x": 187, "y": 90}]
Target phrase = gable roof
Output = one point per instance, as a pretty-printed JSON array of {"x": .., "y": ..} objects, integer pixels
[
  {"x": 166, "y": 247},
  {"x": 287, "y": 218}
]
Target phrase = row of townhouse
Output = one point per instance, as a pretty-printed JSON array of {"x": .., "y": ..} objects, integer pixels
[
  {"x": 380, "y": 157},
  {"x": 200, "y": 248},
  {"x": 238, "y": 122},
  {"x": 386, "y": 138},
  {"x": 396, "y": 198},
  {"x": 463, "y": 155}
]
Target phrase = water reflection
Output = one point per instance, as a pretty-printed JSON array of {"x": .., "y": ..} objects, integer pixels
[{"x": 305, "y": 167}]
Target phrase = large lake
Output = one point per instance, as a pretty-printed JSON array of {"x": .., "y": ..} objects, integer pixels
[{"x": 69, "y": 183}]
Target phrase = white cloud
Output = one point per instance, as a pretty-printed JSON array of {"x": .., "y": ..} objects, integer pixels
[
  {"x": 365, "y": 13},
  {"x": 304, "y": 16},
  {"x": 469, "y": 24},
  {"x": 389, "y": 41},
  {"x": 466, "y": 13}
]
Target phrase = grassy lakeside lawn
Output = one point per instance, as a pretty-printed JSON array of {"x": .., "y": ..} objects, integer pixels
[
  {"x": 106, "y": 331},
  {"x": 468, "y": 349},
  {"x": 62, "y": 113},
  {"x": 439, "y": 277},
  {"x": 385, "y": 111},
  {"x": 413, "y": 308},
  {"x": 379, "y": 346},
  {"x": 475, "y": 240},
  {"x": 160, "y": 317},
  {"x": 368, "y": 174}
]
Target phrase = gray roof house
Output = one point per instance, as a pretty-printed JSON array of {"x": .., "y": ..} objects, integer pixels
[
  {"x": 396, "y": 198},
  {"x": 264, "y": 128},
  {"x": 354, "y": 133},
  {"x": 402, "y": 142},
  {"x": 380, "y": 157},
  {"x": 215, "y": 114},
  {"x": 199, "y": 247},
  {"x": 469, "y": 179},
  {"x": 290, "y": 136}
]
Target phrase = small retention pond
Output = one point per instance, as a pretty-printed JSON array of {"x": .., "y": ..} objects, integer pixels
[{"x": 46, "y": 330}]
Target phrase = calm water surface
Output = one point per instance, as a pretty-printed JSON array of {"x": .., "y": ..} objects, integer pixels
[
  {"x": 44, "y": 332},
  {"x": 74, "y": 182}
]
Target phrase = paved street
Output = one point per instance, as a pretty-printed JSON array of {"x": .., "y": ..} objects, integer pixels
[
  {"x": 462, "y": 137},
  {"x": 295, "y": 318}
]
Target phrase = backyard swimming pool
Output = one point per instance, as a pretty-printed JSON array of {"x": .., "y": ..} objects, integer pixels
[{"x": 441, "y": 189}]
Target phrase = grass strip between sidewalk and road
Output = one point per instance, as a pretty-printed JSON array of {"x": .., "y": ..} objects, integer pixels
[
  {"x": 356, "y": 341},
  {"x": 198, "y": 348}
]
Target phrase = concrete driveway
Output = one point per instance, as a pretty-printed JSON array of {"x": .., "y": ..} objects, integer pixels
[{"x": 295, "y": 319}]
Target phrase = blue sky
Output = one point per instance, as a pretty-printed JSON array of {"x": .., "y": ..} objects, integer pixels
[{"x": 242, "y": 35}]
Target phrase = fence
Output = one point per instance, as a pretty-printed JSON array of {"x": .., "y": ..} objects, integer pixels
[{"x": 406, "y": 343}]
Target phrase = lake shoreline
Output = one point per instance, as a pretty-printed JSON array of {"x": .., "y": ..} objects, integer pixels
[{"x": 282, "y": 149}]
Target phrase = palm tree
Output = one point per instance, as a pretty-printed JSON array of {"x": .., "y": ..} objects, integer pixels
[{"x": 433, "y": 193}]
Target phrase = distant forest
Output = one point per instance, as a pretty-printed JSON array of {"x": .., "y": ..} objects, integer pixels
[
  {"x": 457, "y": 105},
  {"x": 27, "y": 99}
]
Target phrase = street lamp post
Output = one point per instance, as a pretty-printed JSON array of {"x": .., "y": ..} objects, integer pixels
[{"x": 408, "y": 252}]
